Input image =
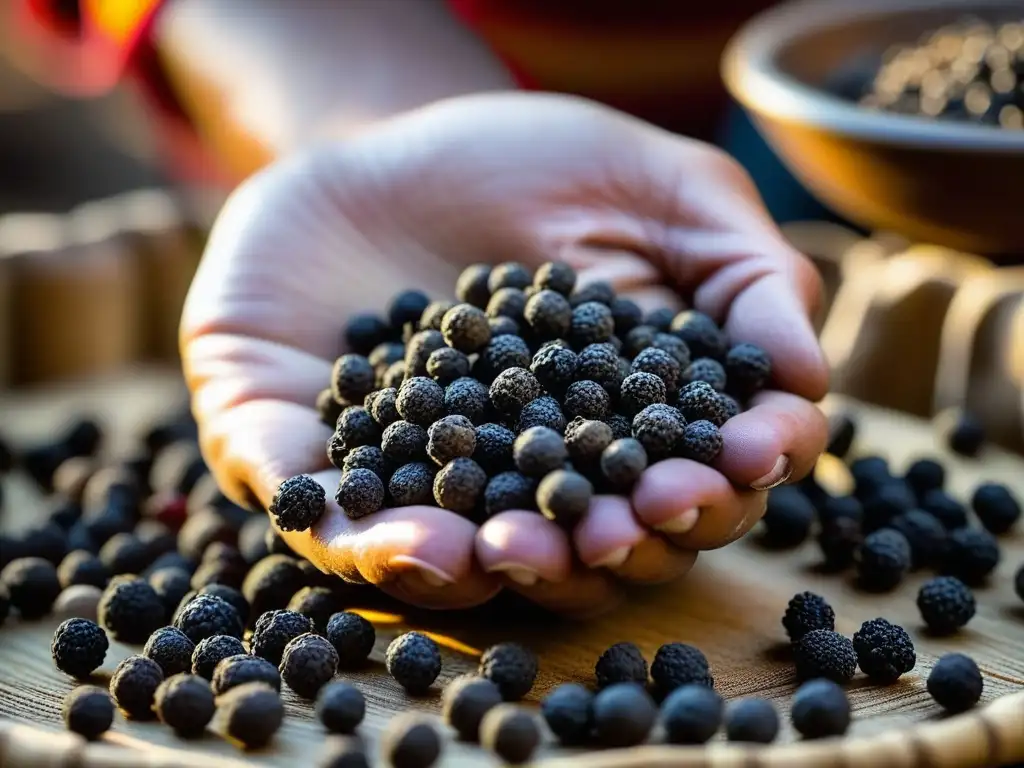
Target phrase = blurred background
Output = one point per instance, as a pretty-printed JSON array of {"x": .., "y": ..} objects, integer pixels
[{"x": 98, "y": 244}]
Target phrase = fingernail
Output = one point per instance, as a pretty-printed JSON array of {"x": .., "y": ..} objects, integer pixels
[
  {"x": 613, "y": 559},
  {"x": 780, "y": 473},
  {"x": 518, "y": 573},
  {"x": 431, "y": 574},
  {"x": 681, "y": 523}
]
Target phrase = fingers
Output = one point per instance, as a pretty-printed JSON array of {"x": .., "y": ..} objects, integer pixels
[
  {"x": 585, "y": 593},
  {"x": 524, "y": 547},
  {"x": 778, "y": 439},
  {"x": 695, "y": 506}
]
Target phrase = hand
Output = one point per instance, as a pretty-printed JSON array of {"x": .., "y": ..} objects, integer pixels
[{"x": 311, "y": 241}]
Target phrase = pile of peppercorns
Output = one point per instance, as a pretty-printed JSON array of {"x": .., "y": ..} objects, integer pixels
[
  {"x": 527, "y": 393},
  {"x": 970, "y": 71}
]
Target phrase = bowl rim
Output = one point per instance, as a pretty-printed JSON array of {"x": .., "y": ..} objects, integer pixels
[{"x": 751, "y": 74}]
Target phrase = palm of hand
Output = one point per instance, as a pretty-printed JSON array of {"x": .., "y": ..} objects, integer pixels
[{"x": 308, "y": 243}]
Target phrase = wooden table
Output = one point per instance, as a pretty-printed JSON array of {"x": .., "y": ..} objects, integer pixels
[{"x": 730, "y": 606}]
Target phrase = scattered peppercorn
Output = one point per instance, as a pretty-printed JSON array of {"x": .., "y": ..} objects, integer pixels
[
  {"x": 82, "y": 567},
  {"x": 925, "y": 475},
  {"x": 298, "y": 503},
  {"x": 210, "y": 651},
  {"x": 316, "y": 603},
  {"x": 511, "y": 667},
  {"x": 691, "y": 714},
  {"x": 996, "y": 507},
  {"x": 352, "y": 379},
  {"x": 252, "y": 714},
  {"x": 824, "y": 653},
  {"x": 130, "y": 610},
  {"x": 231, "y": 596},
  {"x": 241, "y": 669},
  {"x": 622, "y": 463},
  {"x": 624, "y": 714},
  {"x": 124, "y": 553},
  {"x": 410, "y": 741},
  {"x": 621, "y": 663},
  {"x": 955, "y": 682},
  {"x": 171, "y": 649},
  {"x": 353, "y": 638},
  {"x": 340, "y": 707},
  {"x": 839, "y": 539},
  {"x": 274, "y": 630},
  {"x": 888, "y": 499},
  {"x": 414, "y": 661},
  {"x": 510, "y": 732},
  {"x": 88, "y": 711},
  {"x": 805, "y": 613},
  {"x": 32, "y": 586},
  {"x": 1018, "y": 582},
  {"x": 78, "y": 601},
  {"x": 946, "y": 604},
  {"x": 465, "y": 701},
  {"x": 678, "y": 664},
  {"x": 459, "y": 485},
  {"x": 944, "y": 508},
  {"x": 820, "y": 708},
  {"x": 207, "y": 615},
  {"x": 884, "y": 651},
  {"x": 925, "y": 534},
  {"x": 185, "y": 703},
  {"x": 967, "y": 436},
  {"x": 751, "y": 720},
  {"x": 404, "y": 442},
  {"x": 788, "y": 518},
  {"x": 883, "y": 560},
  {"x": 701, "y": 334},
  {"x": 79, "y": 647},
  {"x": 307, "y": 663},
  {"x": 412, "y": 484},
  {"x": 971, "y": 556},
  {"x": 134, "y": 684}
]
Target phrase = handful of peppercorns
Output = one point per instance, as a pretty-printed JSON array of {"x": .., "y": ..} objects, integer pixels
[{"x": 528, "y": 393}]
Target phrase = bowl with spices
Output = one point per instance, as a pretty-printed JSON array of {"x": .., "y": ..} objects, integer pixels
[{"x": 904, "y": 115}]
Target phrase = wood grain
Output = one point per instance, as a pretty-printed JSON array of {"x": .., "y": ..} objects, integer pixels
[{"x": 730, "y": 606}]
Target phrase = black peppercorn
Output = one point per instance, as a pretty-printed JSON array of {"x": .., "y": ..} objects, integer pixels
[
  {"x": 412, "y": 484},
  {"x": 450, "y": 437},
  {"x": 79, "y": 647},
  {"x": 417, "y": 352},
  {"x": 640, "y": 390},
  {"x": 171, "y": 649},
  {"x": 622, "y": 463},
  {"x": 88, "y": 711},
  {"x": 353, "y": 638},
  {"x": 661, "y": 364},
  {"x": 241, "y": 669},
  {"x": 511, "y": 667},
  {"x": 509, "y": 490},
  {"x": 659, "y": 429},
  {"x": 81, "y": 567},
  {"x": 555, "y": 276},
  {"x": 352, "y": 379},
  {"x": 340, "y": 707},
  {"x": 414, "y": 661},
  {"x": 600, "y": 291},
  {"x": 971, "y": 556},
  {"x": 381, "y": 405},
  {"x": 955, "y": 682},
  {"x": 252, "y": 714},
  {"x": 365, "y": 331},
  {"x": 367, "y": 457},
  {"x": 564, "y": 496},
  {"x": 355, "y": 427},
  {"x": 465, "y": 328},
  {"x": 946, "y": 604},
  {"x": 510, "y": 732},
  {"x": 360, "y": 493},
  {"x": 507, "y": 302},
  {"x": 678, "y": 664},
  {"x": 586, "y": 439},
  {"x": 210, "y": 651},
  {"x": 548, "y": 314},
  {"x": 967, "y": 436},
  {"x": 231, "y": 596},
  {"x": 316, "y": 603},
  {"x": 701, "y": 334},
  {"x": 538, "y": 451},
  {"x": 404, "y": 442},
  {"x": 445, "y": 365},
  {"x": 884, "y": 651},
  {"x": 544, "y": 411},
  {"x": 512, "y": 389},
  {"x": 274, "y": 630},
  {"x": 569, "y": 713},
  {"x": 459, "y": 485},
  {"x": 747, "y": 369},
  {"x": 298, "y": 503},
  {"x": 824, "y": 653},
  {"x": 701, "y": 441},
  {"x": 626, "y": 313},
  {"x": 502, "y": 353},
  {"x": 555, "y": 367},
  {"x": 130, "y": 610},
  {"x": 699, "y": 401},
  {"x": 32, "y": 585},
  {"x": 586, "y": 399},
  {"x": 691, "y": 714},
  {"x": 307, "y": 663},
  {"x": 471, "y": 286},
  {"x": 621, "y": 663},
  {"x": 623, "y": 715},
  {"x": 820, "y": 708},
  {"x": 410, "y": 741},
  {"x": 134, "y": 684},
  {"x": 420, "y": 401},
  {"x": 996, "y": 507},
  {"x": 464, "y": 703},
  {"x": 185, "y": 703}
]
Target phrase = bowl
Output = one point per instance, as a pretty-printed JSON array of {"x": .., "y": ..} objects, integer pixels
[{"x": 952, "y": 183}]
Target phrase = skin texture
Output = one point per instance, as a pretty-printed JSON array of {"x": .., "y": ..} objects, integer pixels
[{"x": 530, "y": 177}]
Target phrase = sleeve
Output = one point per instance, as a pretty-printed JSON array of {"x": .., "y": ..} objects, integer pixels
[{"x": 83, "y": 47}]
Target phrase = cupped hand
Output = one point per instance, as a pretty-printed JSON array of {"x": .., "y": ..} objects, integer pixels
[{"x": 505, "y": 177}]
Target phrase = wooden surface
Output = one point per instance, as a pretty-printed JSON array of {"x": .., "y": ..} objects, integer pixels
[{"x": 730, "y": 606}]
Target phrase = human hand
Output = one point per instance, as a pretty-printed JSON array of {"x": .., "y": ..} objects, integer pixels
[{"x": 504, "y": 177}]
